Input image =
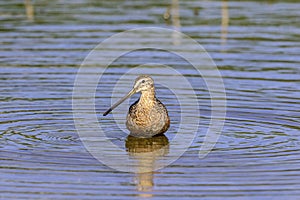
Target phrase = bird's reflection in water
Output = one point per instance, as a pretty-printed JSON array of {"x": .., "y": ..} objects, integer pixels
[{"x": 146, "y": 151}]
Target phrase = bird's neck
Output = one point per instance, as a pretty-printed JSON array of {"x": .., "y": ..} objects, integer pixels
[{"x": 147, "y": 98}]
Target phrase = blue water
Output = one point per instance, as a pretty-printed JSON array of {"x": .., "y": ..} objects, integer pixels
[{"x": 255, "y": 45}]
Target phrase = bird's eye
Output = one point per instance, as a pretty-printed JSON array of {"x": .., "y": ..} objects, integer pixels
[{"x": 143, "y": 81}]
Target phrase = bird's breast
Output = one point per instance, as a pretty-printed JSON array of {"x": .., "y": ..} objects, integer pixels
[
  {"x": 147, "y": 119},
  {"x": 141, "y": 117}
]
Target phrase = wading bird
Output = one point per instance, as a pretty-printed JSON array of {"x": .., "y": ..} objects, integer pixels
[{"x": 147, "y": 116}]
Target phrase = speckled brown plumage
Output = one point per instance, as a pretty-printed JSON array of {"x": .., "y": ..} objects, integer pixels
[{"x": 147, "y": 116}]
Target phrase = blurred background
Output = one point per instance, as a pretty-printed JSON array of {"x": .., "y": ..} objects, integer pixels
[{"x": 256, "y": 46}]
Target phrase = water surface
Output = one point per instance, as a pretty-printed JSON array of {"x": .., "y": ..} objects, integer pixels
[{"x": 255, "y": 45}]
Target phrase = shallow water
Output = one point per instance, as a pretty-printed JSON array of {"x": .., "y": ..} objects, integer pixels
[{"x": 255, "y": 45}]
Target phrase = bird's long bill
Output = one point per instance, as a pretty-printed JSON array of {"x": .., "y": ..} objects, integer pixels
[{"x": 131, "y": 92}]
